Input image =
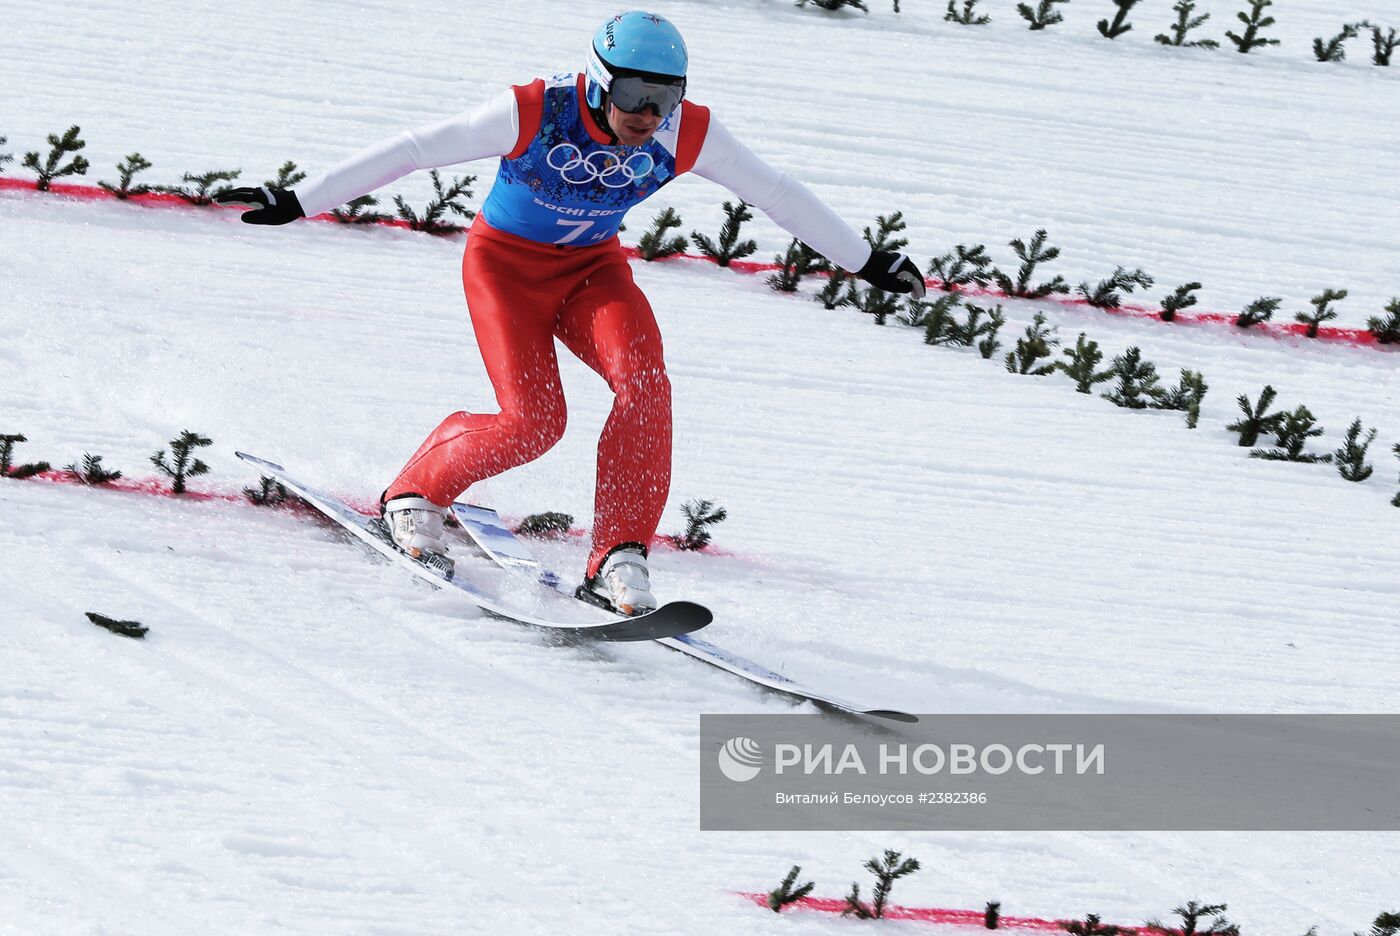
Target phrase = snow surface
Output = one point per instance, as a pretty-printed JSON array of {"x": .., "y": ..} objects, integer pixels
[{"x": 307, "y": 742}]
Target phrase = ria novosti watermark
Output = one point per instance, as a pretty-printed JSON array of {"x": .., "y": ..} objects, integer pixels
[
  {"x": 1183, "y": 772},
  {"x": 931, "y": 759}
]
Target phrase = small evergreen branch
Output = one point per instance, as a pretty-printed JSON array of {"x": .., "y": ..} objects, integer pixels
[
  {"x": 445, "y": 200},
  {"x": 92, "y": 471},
  {"x": 182, "y": 465},
  {"x": 59, "y": 148},
  {"x": 1084, "y": 358},
  {"x": 1109, "y": 293},
  {"x": 1334, "y": 49},
  {"x": 5, "y": 157},
  {"x": 1091, "y": 925},
  {"x": 1191, "y": 917},
  {"x": 1119, "y": 26},
  {"x": 968, "y": 16},
  {"x": 835, "y": 4},
  {"x": 797, "y": 262},
  {"x": 1291, "y": 434},
  {"x": 1387, "y": 330},
  {"x": 1138, "y": 386},
  {"x": 1387, "y": 924},
  {"x": 7, "y": 468},
  {"x": 834, "y": 294},
  {"x": 1260, "y": 310},
  {"x": 966, "y": 333},
  {"x": 127, "y": 169},
  {"x": 915, "y": 312},
  {"x": 1254, "y": 22},
  {"x": 962, "y": 268},
  {"x": 700, "y": 515},
  {"x": 1035, "y": 345},
  {"x": 1322, "y": 310},
  {"x": 1185, "y": 397},
  {"x": 134, "y": 629},
  {"x": 353, "y": 212},
  {"x": 989, "y": 345},
  {"x": 1185, "y": 22},
  {"x": 936, "y": 317},
  {"x": 1395, "y": 501},
  {"x": 854, "y": 906},
  {"x": 991, "y": 915},
  {"x": 287, "y": 176},
  {"x": 1031, "y": 257},
  {"x": 1257, "y": 418},
  {"x": 28, "y": 470},
  {"x": 786, "y": 893},
  {"x": 887, "y": 226},
  {"x": 1043, "y": 15},
  {"x": 1183, "y": 298},
  {"x": 1351, "y": 457},
  {"x": 875, "y": 302},
  {"x": 887, "y": 870},
  {"x": 204, "y": 191},
  {"x": 655, "y": 243},
  {"x": 1382, "y": 45},
  {"x": 730, "y": 248},
  {"x": 269, "y": 493},
  {"x": 547, "y": 525}
]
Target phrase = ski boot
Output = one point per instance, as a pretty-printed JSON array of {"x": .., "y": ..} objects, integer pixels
[
  {"x": 414, "y": 525},
  {"x": 622, "y": 584}
]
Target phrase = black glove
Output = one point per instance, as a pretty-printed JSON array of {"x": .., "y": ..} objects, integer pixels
[
  {"x": 270, "y": 205},
  {"x": 893, "y": 272}
]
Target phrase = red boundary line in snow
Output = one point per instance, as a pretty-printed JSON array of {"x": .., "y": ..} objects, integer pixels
[
  {"x": 1358, "y": 337},
  {"x": 160, "y": 487},
  {"x": 936, "y": 915},
  {"x": 151, "y": 487}
]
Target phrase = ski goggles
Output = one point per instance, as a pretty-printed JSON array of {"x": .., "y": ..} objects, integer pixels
[{"x": 633, "y": 94}]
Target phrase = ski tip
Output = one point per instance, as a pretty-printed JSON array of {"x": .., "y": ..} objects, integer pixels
[
  {"x": 893, "y": 715},
  {"x": 696, "y": 614},
  {"x": 255, "y": 460},
  {"x": 670, "y": 620}
]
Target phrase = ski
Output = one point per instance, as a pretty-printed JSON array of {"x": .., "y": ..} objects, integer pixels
[
  {"x": 496, "y": 540},
  {"x": 671, "y": 620}
]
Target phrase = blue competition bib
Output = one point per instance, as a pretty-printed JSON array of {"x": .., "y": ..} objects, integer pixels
[{"x": 565, "y": 187}]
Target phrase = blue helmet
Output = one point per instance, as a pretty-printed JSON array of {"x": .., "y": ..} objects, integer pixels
[{"x": 635, "y": 42}]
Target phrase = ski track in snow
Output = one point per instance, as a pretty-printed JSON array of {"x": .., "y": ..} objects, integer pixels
[{"x": 309, "y": 742}]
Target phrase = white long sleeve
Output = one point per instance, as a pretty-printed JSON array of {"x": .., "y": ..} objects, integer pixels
[
  {"x": 489, "y": 130},
  {"x": 723, "y": 159}
]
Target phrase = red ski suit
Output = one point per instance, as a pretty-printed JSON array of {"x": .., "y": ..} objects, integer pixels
[{"x": 522, "y": 295}]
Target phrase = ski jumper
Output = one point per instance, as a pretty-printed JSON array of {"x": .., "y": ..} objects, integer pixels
[{"x": 543, "y": 262}]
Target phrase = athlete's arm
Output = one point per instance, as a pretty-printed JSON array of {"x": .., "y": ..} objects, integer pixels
[
  {"x": 723, "y": 159},
  {"x": 489, "y": 130}
]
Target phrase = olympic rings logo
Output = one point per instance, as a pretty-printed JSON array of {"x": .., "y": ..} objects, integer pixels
[{"x": 599, "y": 165}]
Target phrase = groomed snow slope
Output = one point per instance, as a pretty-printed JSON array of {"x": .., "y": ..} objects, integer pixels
[{"x": 307, "y": 742}]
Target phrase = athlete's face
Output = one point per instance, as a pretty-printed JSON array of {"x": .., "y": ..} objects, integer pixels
[{"x": 633, "y": 129}]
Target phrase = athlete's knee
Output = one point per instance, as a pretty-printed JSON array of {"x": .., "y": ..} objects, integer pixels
[
  {"x": 643, "y": 382},
  {"x": 536, "y": 428}
]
